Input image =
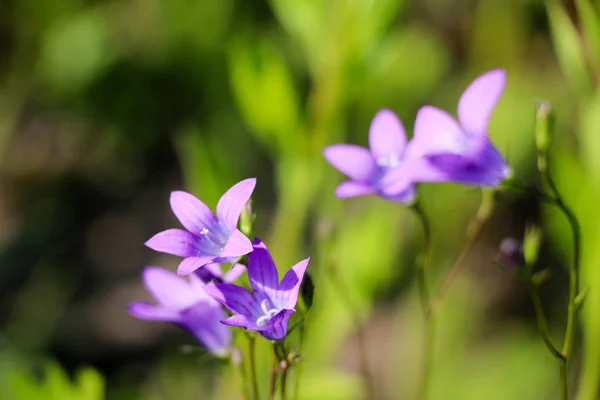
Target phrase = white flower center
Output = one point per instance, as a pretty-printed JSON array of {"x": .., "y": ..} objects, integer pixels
[
  {"x": 388, "y": 161},
  {"x": 268, "y": 312}
]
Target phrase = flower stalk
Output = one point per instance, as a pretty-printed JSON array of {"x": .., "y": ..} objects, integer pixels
[
  {"x": 424, "y": 294},
  {"x": 474, "y": 230},
  {"x": 252, "y": 367},
  {"x": 544, "y": 132}
]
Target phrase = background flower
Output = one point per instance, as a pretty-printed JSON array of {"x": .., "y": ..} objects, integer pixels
[{"x": 185, "y": 303}]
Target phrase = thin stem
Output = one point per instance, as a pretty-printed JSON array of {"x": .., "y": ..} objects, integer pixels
[
  {"x": 300, "y": 366},
  {"x": 252, "y": 359},
  {"x": 573, "y": 282},
  {"x": 243, "y": 373},
  {"x": 424, "y": 293},
  {"x": 564, "y": 379},
  {"x": 475, "y": 228},
  {"x": 541, "y": 320},
  {"x": 284, "y": 374},
  {"x": 274, "y": 373},
  {"x": 361, "y": 347}
]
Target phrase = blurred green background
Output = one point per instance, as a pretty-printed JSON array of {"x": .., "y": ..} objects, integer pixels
[{"x": 107, "y": 106}]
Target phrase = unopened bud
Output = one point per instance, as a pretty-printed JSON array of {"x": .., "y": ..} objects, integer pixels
[
  {"x": 544, "y": 128},
  {"x": 532, "y": 243},
  {"x": 510, "y": 255}
]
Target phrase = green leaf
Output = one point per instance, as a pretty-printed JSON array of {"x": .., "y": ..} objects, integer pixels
[
  {"x": 90, "y": 384},
  {"x": 76, "y": 50},
  {"x": 568, "y": 47},
  {"x": 264, "y": 90},
  {"x": 590, "y": 24}
]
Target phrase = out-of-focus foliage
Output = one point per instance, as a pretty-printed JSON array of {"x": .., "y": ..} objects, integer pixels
[
  {"x": 20, "y": 384},
  {"x": 106, "y": 106}
]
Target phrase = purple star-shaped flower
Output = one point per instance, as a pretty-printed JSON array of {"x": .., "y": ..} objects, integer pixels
[
  {"x": 185, "y": 303},
  {"x": 460, "y": 151},
  {"x": 268, "y": 308},
  {"x": 213, "y": 273},
  {"x": 368, "y": 168},
  {"x": 208, "y": 238}
]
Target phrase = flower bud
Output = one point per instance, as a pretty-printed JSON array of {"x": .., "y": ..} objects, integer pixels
[
  {"x": 531, "y": 244},
  {"x": 510, "y": 255},
  {"x": 544, "y": 127}
]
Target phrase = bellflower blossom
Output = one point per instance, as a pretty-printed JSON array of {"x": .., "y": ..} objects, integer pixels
[
  {"x": 185, "y": 303},
  {"x": 367, "y": 168},
  {"x": 208, "y": 238},
  {"x": 460, "y": 150},
  {"x": 213, "y": 272},
  {"x": 268, "y": 308}
]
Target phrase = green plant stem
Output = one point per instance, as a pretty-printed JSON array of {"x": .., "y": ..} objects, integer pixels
[
  {"x": 284, "y": 374},
  {"x": 274, "y": 373},
  {"x": 299, "y": 366},
  {"x": 252, "y": 360},
  {"x": 244, "y": 374},
  {"x": 573, "y": 283},
  {"x": 474, "y": 231},
  {"x": 361, "y": 343},
  {"x": 424, "y": 293},
  {"x": 541, "y": 320}
]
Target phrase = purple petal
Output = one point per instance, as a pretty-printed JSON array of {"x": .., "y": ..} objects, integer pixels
[
  {"x": 406, "y": 195},
  {"x": 237, "y": 245},
  {"x": 410, "y": 172},
  {"x": 287, "y": 292},
  {"x": 170, "y": 290},
  {"x": 145, "y": 310},
  {"x": 193, "y": 214},
  {"x": 203, "y": 320},
  {"x": 276, "y": 328},
  {"x": 436, "y": 132},
  {"x": 237, "y": 299},
  {"x": 191, "y": 264},
  {"x": 386, "y": 136},
  {"x": 351, "y": 189},
  {"x": 262, "y": 271},
  {"x": 174, "y": 241},
  {"x": 209, "y": 272},
  {"x": 354, "y": 161},
  {"x": 232, "y": 203},
  {"x": 479, "y": 100},
  {"x": 484, "y": 167},
  {"x": 241, "y": 320},
  {"x": 234, "y": 273}
]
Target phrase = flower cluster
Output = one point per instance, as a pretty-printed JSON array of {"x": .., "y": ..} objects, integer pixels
[
  {"x": 442, "y": 149},
  {"x": 195, "y": 301}
]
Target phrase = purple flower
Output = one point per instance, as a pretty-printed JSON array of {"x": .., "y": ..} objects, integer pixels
[
  {"x": 268, "y": 308},
  {"x": 186, "y": 304},
  {"x": 367, "y": 168},
  {"x": 460, "y": 151},
  {"x": 213, "y": 272},
  {"x": 208, "y": 238}
]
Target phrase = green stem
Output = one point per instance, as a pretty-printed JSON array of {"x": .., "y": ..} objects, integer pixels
[
  {"x": 573, "y": 282},
  {"x": 274, "y": 373},
  {"x": 299, "y": 366},
  {"x": 243, "y": 373},
  {"x": 541, "y": 320},
  {"x": 252, "y": 359},
  {"x": 424, "y": 294},
  {"x": 361, "y": 343},
  {"x": 474, "y": 231}
]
